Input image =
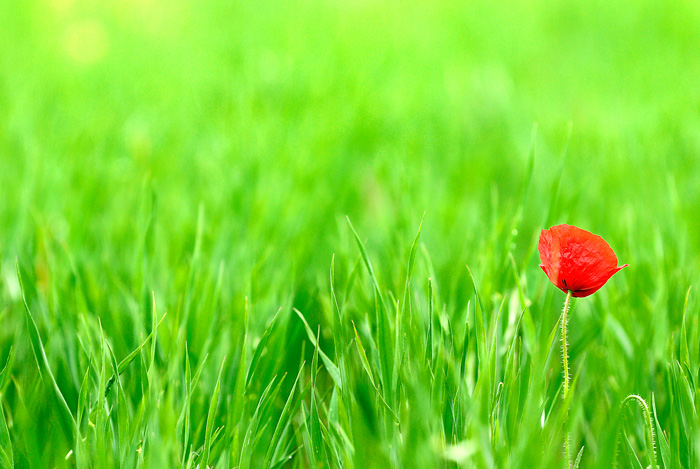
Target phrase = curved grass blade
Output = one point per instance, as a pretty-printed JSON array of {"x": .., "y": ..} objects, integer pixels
[
  {"x": 284, "y": 461},
  {"x": 577, "y": 462},
  {"x": 66, "y": 419},
  {"x": 368, "y": 370},
  {"x": 365, "y": 258},
  {"x": 3, "y": 373},
  {"x": 384, "y": 342},
  {"x": 332, "y": 369},
  {"x": 130, "y": 358},
  {"x": 633, "y": 459},
  {"x": 260, "y": 348}
]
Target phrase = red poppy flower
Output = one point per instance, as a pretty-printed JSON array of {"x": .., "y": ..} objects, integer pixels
[{"x": 576, "y": 260}]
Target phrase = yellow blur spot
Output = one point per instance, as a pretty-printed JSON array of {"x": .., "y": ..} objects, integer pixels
[
  {"x": 61, "y": 6},
  {"x": 85, "y": 42}
]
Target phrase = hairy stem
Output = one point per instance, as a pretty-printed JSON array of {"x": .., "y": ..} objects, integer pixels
[
  {"x": 565, "y": 366},
  {"x": 649, "y": 424}
]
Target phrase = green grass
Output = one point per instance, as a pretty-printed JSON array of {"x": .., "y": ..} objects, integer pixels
[{"x": 175, "y": 181}]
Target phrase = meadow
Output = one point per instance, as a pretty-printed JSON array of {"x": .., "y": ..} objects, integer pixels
[{"x": 304, "y": 234}]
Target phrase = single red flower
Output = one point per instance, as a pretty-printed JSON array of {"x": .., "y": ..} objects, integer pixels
[{"x": 576, "y": 260}]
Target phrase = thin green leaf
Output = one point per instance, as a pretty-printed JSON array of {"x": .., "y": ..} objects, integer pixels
[
  {"x": 252, "y": 433},
  {"x": 685, "y": 356},
  {"x": 122, "y": 411},
  {"x": 314, "y": 421},
  {"x": 66, "y": 419},
  {"x": 6, "y": 454},
  {"x": 183, "y": 424},
  {"x": 368, "y": 263},
  {"x": 409, "y": 268},
  {"x": 210, "y": 418},
  {"x": 577, "y": 462},
  {"x": 260, "y": 348},
  {"x": 664, "y": 447},
  {"x": 368, "y": 370},
  {"x": 282, "y": 421},
  {"x": 332, "y": 369},
  {"x": 130, "y": 358}
]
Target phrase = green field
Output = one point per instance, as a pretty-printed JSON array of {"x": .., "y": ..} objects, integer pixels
[{"x": 175, "y": 178}]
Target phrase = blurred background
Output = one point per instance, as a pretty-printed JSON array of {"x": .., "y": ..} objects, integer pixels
[
  {"x": 280, "y": 116},
  {"x": 277, "y": 119},
  {"x": 127, "y": 126}
]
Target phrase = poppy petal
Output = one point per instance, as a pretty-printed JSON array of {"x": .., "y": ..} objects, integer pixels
[
  {"x": 550, "y": 256},
  {"x": 576, "y": 260}
]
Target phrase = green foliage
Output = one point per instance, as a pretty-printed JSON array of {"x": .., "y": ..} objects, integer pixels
[{"x": 207, "y": 157}]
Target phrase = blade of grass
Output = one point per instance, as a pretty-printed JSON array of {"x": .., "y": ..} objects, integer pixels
[
  {"x": 384, "y": 342},
  {"x": 5, "y": 440},
  {"x": 5, "y": 368},
  {"x": 337, "y": 321},
  {"x": 632, "y": 456},
  {"x": 154, "y": 342},
  {"x": 130, "y": 358},
  {"x": 314, "y": 422},
  {"x": 526, "y": 317},
  {"x": 282, "y": 421},
  {"x": 429, "y": 338},
  {"x": 183, "y": 424},
  {"x": 480, "y": 328},
  {"x": 260, "y": 348},
  {"x": 332, "y": 369},
  {"x": 122, "y": 411},
  {"x": 340, "y": 341},
  {"x": 252, "y": 433},
  {"x": 66, "y": 419},
  {"x": 210, "y": 418},
  {"x": 368, "y": 370},
  {"x": 83, "y": 398},
  {"x": 577, "y": 462},
  {"x": 685, "y": 356},
  {"x": 368, "y": 263},
  {"x": 465, "y": 345},
  {"x": 664, "y": 448},
  {"x": 409, "y": 268}
]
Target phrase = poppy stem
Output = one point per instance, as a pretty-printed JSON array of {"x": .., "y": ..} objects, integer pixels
[{"x": 565, "y": 366}]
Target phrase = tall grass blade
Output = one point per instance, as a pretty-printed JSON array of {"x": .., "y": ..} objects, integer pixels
[
  {"x": 260, "y": 348},
  {"x": 211, "y": 415},
  {"x": 282, "y": 422},
  {"x": 65, "y": 416}
]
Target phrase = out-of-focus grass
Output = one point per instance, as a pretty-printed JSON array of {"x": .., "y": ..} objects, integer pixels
[{"x": 201, "y": 157}]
